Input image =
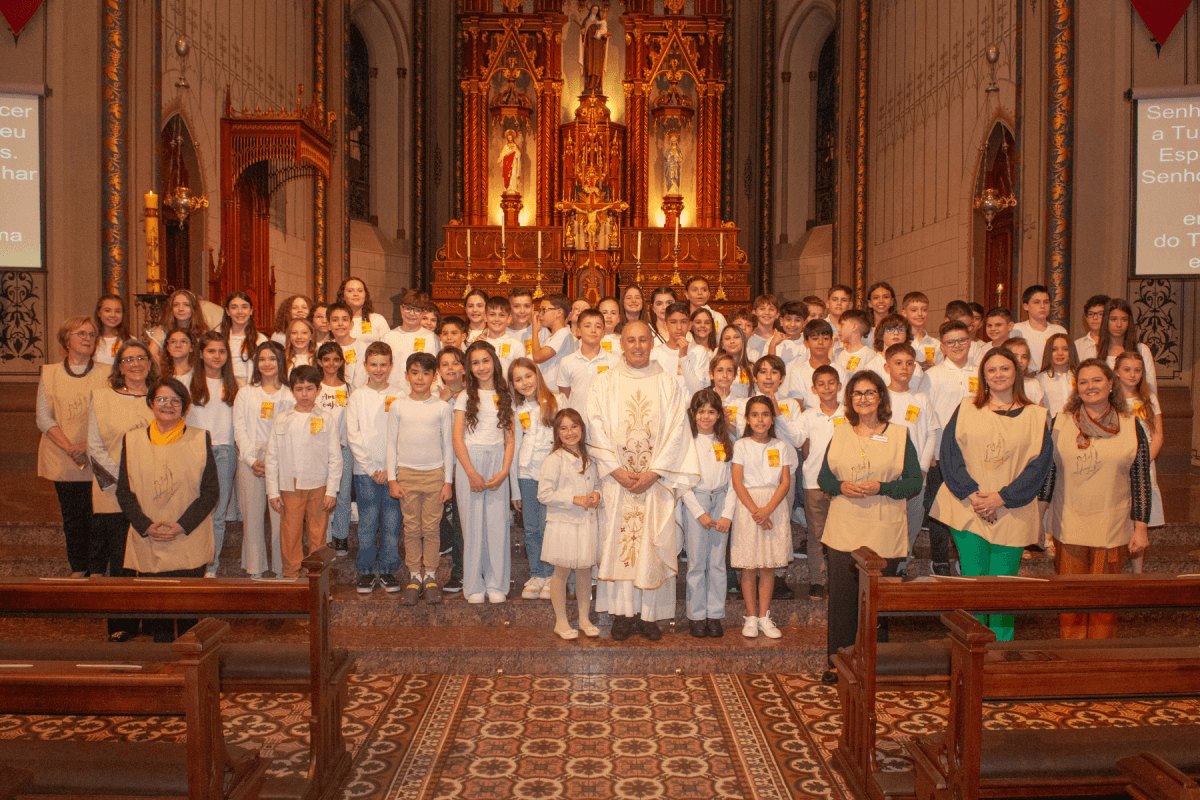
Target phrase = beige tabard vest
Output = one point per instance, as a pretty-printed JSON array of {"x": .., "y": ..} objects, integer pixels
[
  {"x": 166, "y": 480},
  {"x": 116, "y": 415},
  {"x": 68, "y": 396},
  {"x": 878, "y": 522},
  {"x": 995, "y": 448},
  {"x": 1092, "y": 499}
]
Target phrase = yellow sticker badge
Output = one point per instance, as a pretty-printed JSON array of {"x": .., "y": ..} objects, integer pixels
[
  {"x": 719, "y": 451},
  {"x": 418, "y": 345},
  {"x": 366, "y": 326},
  {"x": 731, "y": 412},
  {"x": 973, "y": 385},
  {"x": 496, "y": 401},
  {"x": 351, "y": 356},
  {"x": 114, "y": 347},
  {"x": 852, "y": 362},
  {"x": 267, "y": 411},
  {"x": 504, "y": 350},
  {"x": 743, "y": 378},
  {"x": 912, "y": 413},
  {"x": 773, "y": 458},
  {"x": 340, "y": 396},
  {"x": 387, "y": 403},
  {"x": 783, "y": 409},
  {"x": 607, "y": 346},
  {"x": 316, "y": 425},
  {"x": 524, "y": 417},
  {"x": 838, "y": 420},
  {"x": 929, "y": 355},
  {"x": 1139, "y": 411},
  {"x": 601, "y": 368},
  {"x": 529, "y": 347}
]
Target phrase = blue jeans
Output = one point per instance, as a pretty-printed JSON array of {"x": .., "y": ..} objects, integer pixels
[
  {"x": 378, "y": 512},
  {"x": 534, "y": 514},
  {"x": 226, "y": 457},
  {"x": 339, "y": 520}
]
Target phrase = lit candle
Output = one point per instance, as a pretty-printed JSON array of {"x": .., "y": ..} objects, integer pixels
[
  {"x": 677, "y": 233},
  {"x": 721, "y": 236},
  {"x": 468, "y": 244},
  {"x": 502, "y": 237},
  {"x": 639, "y": 252},
  {"x": 539, "y": 245},
  {"x": 152, "y": 284}
]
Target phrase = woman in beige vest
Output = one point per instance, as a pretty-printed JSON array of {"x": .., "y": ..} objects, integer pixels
[
  {"x": 116, "y": 410},
  {"x": 995, "y": 456},
  {"x": 62, "y": 415},
  {"x": 168, "y": 488},
  {"x": 871, "y": 469},
  {"x": 1102, "y": 496}
]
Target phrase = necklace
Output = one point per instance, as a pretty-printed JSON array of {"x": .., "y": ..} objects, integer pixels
[{"x": 862, "y": 440}]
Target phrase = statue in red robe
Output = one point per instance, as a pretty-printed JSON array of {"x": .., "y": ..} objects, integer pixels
[{"x": 510, "y": 163}]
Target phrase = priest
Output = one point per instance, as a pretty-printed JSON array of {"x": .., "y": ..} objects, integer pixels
[{"x": 639, "y": 436}]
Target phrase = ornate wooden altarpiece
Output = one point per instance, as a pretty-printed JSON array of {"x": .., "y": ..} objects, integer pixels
[
  {"x": 260, "y": 152},
  {"x": 600, "y": 211}
]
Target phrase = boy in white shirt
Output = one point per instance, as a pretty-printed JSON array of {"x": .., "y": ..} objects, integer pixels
[
  {"x": 816, "y": 430},
  {"x": 818, "y": 338},
  {"x": 497, "y": 314},
  {"x": 913, "y": 410},
  {"x": 698, "y": 295},
  {"x": 1036, "y": 330},
  {"x": 997, "y": 327},
  {"x": 789, "y": 344},
  {"x": 303, "y": 469},
  {"x": 961, "y": 311},
  {"x": 520, "y": 305},
  {"x": 915, "y": 309},
  {"x": 765, "y": 311},
  {"x": 411, "y": 336},
  {"x": 452, "y": 333},
  {"x": 687, "y": 361},
  {"x": 378, "y": 512},
  {"x": 340, "y": 325},
  {"x": 839, "y": 303},
  {"x": 558, "y": 344},
  {"x": 420, "y": 469},
  {"x": 855, "y": 355},
  {"x": 577, "y": 371}
]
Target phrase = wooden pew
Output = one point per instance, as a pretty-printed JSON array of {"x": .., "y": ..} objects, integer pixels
[
  {"x": 966, "y": 761},
  {"x": 314, "y": 668},
  {"x": 204, "y": 768},
  {"x": 869, "y": 667},
  {"x": 1154, "y": 779}
]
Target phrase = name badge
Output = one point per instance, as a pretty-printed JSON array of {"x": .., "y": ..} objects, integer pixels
[
  {"x": 773, "y": 458},
  {"x": 504, "y": 350},
  {"x": 852, "y": 362},
  {"x": 912, "y": 414},
  {"x": 679, "y": 367},
  {"x": 731, "y": 412},
  {"x": 524, "y": 417},
  {"x": 973, "y": 385},
  {"x": 878, "y": 437},
  {"x": 743, "y": 378},
  {"x": 1139, "y": 411},
  {"x": 351, "y": 356},
  {"x": 340, "y": 396},
  {"x": 267, "y": 411},
  {"x": 783, "y": 409},
  {"x": 418, "y": 345},
  {"x": 496, "y": 401},
  {"x": 529, "y": 347},
  {"x": 607, "y": 346},
  {"x": 316, "y": 425},
  {"x": 928, "y": 354},
  {"x": 719, "y": 451},
  {"x": 601, "y": 368},
  {"x": 387, "y": 404},
  {"x": 116, "y": 343},
  {"x": 838, "y": 420},
  {"x": 366, "y": 326}
]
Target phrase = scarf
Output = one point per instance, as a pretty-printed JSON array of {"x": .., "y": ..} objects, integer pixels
[
  {"x": 1107, "y": 425},
  {"x": 170, "y": 437}
]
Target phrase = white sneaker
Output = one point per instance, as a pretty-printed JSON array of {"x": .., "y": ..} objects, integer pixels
[
  {"x": 496, "y": 597},
  {"x": 750, "y": 628},
  {"x": 544, "y": 594},
  {"x": 768, "y": 628},
  {"x": 533, "y": 588},
  {"x": 475, "y": 599}
]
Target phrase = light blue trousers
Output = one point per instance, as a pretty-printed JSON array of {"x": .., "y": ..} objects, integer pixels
[
  {"x": 706, "y": 560},
  {"x": 487, "y": 561}
]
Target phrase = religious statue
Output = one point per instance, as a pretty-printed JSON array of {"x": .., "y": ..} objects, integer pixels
[
  {"x": 593, "y": 49},
  {"x": 674, "y": 165},
  {"x": 510, "y": 163}
]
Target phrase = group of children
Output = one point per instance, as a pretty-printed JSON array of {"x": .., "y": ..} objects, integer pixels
[{"x": 443, "y": 424}]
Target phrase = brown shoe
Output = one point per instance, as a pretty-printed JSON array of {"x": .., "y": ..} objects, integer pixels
[{"x": 433, "y": 592}]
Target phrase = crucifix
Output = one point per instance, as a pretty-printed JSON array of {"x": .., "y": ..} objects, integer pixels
[{"x": 591, "y": 216}]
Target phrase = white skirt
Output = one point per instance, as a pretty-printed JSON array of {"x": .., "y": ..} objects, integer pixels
[
  {"x": 570, "y": 545},
  {"x": 752, "y": 547}
]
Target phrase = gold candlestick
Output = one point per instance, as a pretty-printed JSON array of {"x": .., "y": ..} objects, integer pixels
[
  {"x": 503, "y": 262},
  {"x": 675, "y": 279}
]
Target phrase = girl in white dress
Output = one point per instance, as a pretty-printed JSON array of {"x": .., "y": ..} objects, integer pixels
[
  {"x": 1131, "y": 373},
  {"x": 569, "y": 488},
  {"x": 112, "y": 322},
  {"x": 1057, "y": 378},
  {"x": 762, "y": 532}
]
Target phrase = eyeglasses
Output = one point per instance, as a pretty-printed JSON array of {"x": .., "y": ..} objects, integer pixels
[
  {"x": 412, "y": 309},
  {"x": 895, "y": 330},
  {"x": 869, "y": 394},
  {"x": 85, "y": 334},
  {"x": 955, "y": 342},
  {"x": 1092, "y": 314},
  {"x": 168, "y": 401},
  {"x": 134, "y": 359}
]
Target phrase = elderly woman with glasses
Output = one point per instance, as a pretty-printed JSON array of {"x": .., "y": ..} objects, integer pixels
[
  {"x": 116, "y": 410},
  {"x": 62, "y": 416},
  {"x": 168, "y": 487},
  {"x": 996, "y": 453},
  {"x": 870, "y": 470}
]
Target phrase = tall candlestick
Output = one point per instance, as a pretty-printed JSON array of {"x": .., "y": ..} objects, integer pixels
[
  {"x": 639, "y": 252},
  {"x": 721, "y": 236},
  {"x": 468, "y": 244},
  {"x": 503, "y": 240},
  {"x": 152, "y": 282},
  {"x": 677, "y": 233},
  {"x": 539, "y": 245}
]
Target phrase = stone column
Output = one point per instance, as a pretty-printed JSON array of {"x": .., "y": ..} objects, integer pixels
[{"x": 1060, "y": 159}]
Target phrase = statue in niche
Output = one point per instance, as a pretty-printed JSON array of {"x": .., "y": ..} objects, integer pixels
[
  {"x": 674, "y": 165},
  {"x": 510, "y": 163},
  {"x": 593, "y": 49}
]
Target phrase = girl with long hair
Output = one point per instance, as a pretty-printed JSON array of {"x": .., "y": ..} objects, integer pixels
[
  {"x": 301, "y": 349},
  {"x": 1120, "y": 335},
  {"x": 1131, "y": 375},
  {"x": 333, "y": 395},
  {"x": 112, "y": 324},
  {"x": 298, "y": 306},
  {"x": 214, "y": 391},
  {"x": 1057, "y": 378},
  {"x": 365, "y": 324},
  {"x": 241, "y": 335},
  {"x": 633, "y": 306},
  {"x": 704, "y": 331},
  {"x": 733, "y": 342},
  {"x": 660, "y": 300},
  {"x": 182, "y": 312},
  {"x": 178, "y": 357}
]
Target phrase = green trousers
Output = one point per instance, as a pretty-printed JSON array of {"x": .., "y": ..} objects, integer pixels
[{"x": 978, "y": 556}]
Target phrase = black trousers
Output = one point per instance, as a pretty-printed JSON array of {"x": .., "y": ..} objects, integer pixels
[
  {"x": 842, "y": 628},
  {"x": 112, "y": 530},
  {"x": 939, "y": 534},
  {"x": 85, "y": 548},
  {"x": 167, "y": 630}
]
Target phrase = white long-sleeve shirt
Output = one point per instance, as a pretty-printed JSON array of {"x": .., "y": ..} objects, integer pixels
[
  {"x": 714, "y": 476},
  {"x": 914, "y": 411},
  {"x": 1057, "y": 387},
  {"x": 372, "y": 329},
  {"x": 533, "y": 439},
  {"x": 799, "y": 384},
  {"x": 690, "y": 369},
  {"x": 333, "y": 401},
  {"x": 215, "y": 416},
  {"x": 254, "y": 413},
  {"x": 1036, "y": 339},
  {"x": 948, "y": 385},
  {"x": 367, "y": 426},
  {"x": 559, "y": 483},
  {"x": 420, "y": 436},
  {"x": 304, "y": 453}
]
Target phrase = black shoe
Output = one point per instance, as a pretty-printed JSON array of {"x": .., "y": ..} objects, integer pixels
[
  {"x": 648, "y": 630},
  {"x": 782, "y": 591},
  {"x": 698, "y": 628},
  {"x": 366, "y": 584},
  {"x": 120, "y": 636},
  {"x": 816, "y": 591},
  {"x": 622, "y": 628},
  {"x": 454, "y": 585},
  {"x": 940, "y": 568},
  {"x": 341, "y": 547},
  {"x": 389, "y": 583},
  {"x": 715, "y": 629},
  {"x": 830, "y": 678}
]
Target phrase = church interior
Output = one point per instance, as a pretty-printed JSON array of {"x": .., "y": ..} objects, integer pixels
[{"x": 963, "y": 149}]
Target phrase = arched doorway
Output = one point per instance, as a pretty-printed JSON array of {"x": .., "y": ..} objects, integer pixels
[
  {"x": 182, "y": 240},
  {"x": 995, "y": 246}
]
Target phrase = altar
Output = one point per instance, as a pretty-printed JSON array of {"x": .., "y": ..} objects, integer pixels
[{"x": 591, "y": 149}]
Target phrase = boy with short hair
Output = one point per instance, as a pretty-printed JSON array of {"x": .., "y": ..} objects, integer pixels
[
  {"x": 558, "y": 344},
  {"x": 577, "y": 370},
  {"x": 818, "y": 338},
  {"x": 303, "y": 469},
  {"x": 1037, "y": 329},
  {"x": 744, "y": 320},
  {"x": 913, "y": 410},
  {"x": 961, "y": 311},
  {"x": 997, "y": 327},
  {"x": 378, "y": 512},
  {"x": 855, "y": 355},
  {"x": 520, "y": 305},
  {"x": 497, "y": 314},
  {"x": 698, "y": 295},
  {"x": 915, "y": 309},
  {"x": 411, "y": 336},
  {"x": 788, "y": 344},
  {"x": 840, "y": 300},
  {"x": 816, "y": 308},
  {"x": 816, "y": 431},
  {"x": 687, "y": 361},
  {"x": 431, "y": 317},
  {"x": 420, "y": 471},
  {"x": 452, "y": 333},
  {"x": 341, "y": 324},
  {"x": 765, "y": 310}
]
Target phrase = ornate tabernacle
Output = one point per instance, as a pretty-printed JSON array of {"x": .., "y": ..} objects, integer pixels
[{"x": 591, "y": 152}]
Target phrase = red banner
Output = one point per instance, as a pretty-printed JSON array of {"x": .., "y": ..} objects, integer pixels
[
  {"x": 18, "y": 13},
  {"x": 1161, "y": 16}
]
